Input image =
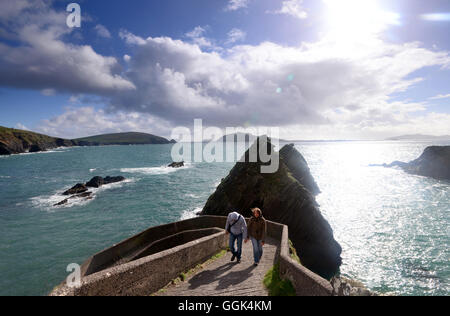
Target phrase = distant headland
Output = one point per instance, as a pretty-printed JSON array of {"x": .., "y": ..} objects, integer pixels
[
  {"x": 16, "y": 141},
  {"x": 420, "y": 137}
]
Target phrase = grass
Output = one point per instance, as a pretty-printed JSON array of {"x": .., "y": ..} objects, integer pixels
[
  {"x": 293, "y": 252},
  {"x": 276, "y": 285},
  {"x": 8, "y": 134}
]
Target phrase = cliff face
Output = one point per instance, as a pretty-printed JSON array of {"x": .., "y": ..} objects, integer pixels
[
  {"x": 13, "y": 141},
  {"x": 287, "y": 197},
  {"x": 434, "y": 162},
  {"x": 299, "y": 168}
]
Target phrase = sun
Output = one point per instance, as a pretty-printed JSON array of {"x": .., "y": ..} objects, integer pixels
[{"x": 349, "y": 20}]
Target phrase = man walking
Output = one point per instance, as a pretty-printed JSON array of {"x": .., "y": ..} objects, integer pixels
[{"x": 237, "y": 228}]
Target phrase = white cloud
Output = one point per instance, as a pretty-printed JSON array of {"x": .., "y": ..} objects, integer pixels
[
  {"x": 197, "y": 37},
  {"x": 126, "y": 58},
  {"x": 21, "y": 126},
  {"x": 196, "y": 32},
  {"x": 293, "y": 8},
  {"x": 235, "y": 35},
  {"x": 440, "y": 96},
  {"x": 427, "y": 124},
  {"x": 42, "y": 60},
  {"x": 234, "y": 5},
  {"x": 87, "y": 121},
  {"x": 48, "y": 92},
  {"x": 102, "y": 31},
  {"x": 11, "y": 9},
  {"x": 74, "y": 99},
  {"x": 323, "y": 83},
  {"x": 130, "y": 38},
  {"x": 335, "y": 86}
]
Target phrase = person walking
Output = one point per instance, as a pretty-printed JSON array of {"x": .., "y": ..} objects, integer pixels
[
  {"x": 257, "y": 230},
  {"x": 236, "y": 227}
]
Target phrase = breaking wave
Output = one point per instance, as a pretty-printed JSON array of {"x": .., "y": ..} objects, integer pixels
[
  {"x": 47, "y": 202},
  {"x": 154, "y": 170}
]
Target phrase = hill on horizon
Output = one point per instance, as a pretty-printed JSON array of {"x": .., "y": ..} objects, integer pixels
[
  {"x": 420, "y": 137},
  {"x": 247, "y": 137},
  {"x": 128, "y": 138},
  {"x": 16, "y": 141}
]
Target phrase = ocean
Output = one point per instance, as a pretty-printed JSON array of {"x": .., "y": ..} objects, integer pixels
[{"x": 393, "y": 227}]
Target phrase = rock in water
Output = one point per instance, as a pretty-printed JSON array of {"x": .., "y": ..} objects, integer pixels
[
  {"x": 287, "y": 197},
  {"x": 80, "y": 190},
  {"x": 176, "y": 164},
  {"x": 95, "y": 182},
  {"x": 434, "y": 163},
  {"x": 109, "y": 180},
  {"x": 63, "y": 202},
  {"x": 77, "y": 189},
  {"x": 82, "y": 195}
]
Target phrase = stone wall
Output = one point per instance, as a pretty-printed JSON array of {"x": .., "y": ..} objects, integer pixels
[
  {"x": 126, "y": 269},
  {"x": 128, "y": 249},
  {"x": 147, "y": 275},
  {"x": 305, "y": 282}
]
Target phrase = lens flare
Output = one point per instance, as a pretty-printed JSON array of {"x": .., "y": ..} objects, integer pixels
[{"x": 436, "y": 17}]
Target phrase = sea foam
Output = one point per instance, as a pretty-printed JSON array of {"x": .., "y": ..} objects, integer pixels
[
  {"x": 47, "y": 202},
  {"x": 154, "y": 170},
  {"x": 191, "y": 213}
]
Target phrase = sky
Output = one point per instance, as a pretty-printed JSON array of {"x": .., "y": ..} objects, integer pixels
[{"x": 316, "y": 69}]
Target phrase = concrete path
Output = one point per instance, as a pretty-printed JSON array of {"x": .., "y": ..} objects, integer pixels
[{"x": 225, "y": 278}]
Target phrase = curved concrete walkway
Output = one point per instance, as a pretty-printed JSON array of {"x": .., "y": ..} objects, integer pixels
[{"x": 225, "y": 278}]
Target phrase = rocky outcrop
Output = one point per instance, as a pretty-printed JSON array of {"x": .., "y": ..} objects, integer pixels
[
  {"x": 176, "y": 165},
  {"x": 287, "y": 197},
  {"x": 77, "y": 189},
  {"x": 346, "y": 287},
  {"x": 434, "y": 163},
  {"x": 97, "y": 182},
  {"x": 299, "y": 168},
  {"x": 80, "y": 190}
]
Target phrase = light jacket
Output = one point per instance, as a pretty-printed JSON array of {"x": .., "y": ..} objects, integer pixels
[{"x": 240, "y": 227}]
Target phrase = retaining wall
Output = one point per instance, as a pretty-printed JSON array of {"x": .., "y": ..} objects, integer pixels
[{"x": 117, "y": 271}]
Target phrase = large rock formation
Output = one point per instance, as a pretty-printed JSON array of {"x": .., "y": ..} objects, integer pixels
[
  {"x": 286, "y": 196},
  {"x": 434, "y": 162},
  {"x": 299, "y": 168}
]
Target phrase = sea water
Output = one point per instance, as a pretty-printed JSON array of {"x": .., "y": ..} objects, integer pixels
[{"x": 393, "y": 227}]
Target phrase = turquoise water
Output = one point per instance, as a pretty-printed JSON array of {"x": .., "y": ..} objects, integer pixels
[{"x": 393, "y": 227}]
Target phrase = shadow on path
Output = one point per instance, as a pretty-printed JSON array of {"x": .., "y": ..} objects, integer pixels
[
  {"x": 234, "y": 278},
  {"x": 222, "y": 275}
]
